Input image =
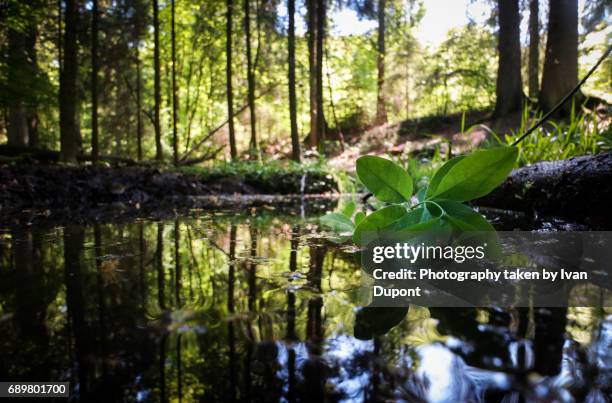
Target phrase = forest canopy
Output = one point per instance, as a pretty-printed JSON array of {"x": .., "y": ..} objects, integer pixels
[{"x": 187, "y": 81}]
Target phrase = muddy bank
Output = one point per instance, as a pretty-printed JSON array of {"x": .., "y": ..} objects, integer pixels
[
  {"x": 579, "y": 188},
  {"x": 84, "y": 188}
]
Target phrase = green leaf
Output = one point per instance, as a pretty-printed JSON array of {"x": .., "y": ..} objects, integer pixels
[
  {"x": 440, "y": 173},
  {"x": 359, "y": 217},
  {"x": 472, "y": 176},
  {"x": 385, "y": 179},
  {"x": 337, "y": 222},
  {"x": 377, "y": 321},
  {"x": 463, "y": 217},
  {"x": 349, "y": 209},
  {"x": 378, "y": 220}
]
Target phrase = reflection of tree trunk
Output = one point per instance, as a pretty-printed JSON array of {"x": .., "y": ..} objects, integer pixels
[
  {"x": 253, "y": 271},
  {"x": 162, "y": 368},
  {"x": 177, "y": 263},
  {"x": 290, "y": 293},
  {"x": 549, "y": 338},
  {"x": 30, "y": 296},
  {"x": 73, "y": 244},
  {"x": 230, "y": 307},
  {"x": 314, "y": 327},
  {"x": 179, "y": 369},
  {"x": 141, "y": 248},
  {"x": 160, "y": 266},
  {"x": 101, "y": 303}
]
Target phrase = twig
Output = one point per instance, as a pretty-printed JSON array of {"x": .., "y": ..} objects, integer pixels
[{"x": 565, "y": 98}]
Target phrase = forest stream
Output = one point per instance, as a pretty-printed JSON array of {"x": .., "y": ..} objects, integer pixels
[{"x": 257, "y": 305}]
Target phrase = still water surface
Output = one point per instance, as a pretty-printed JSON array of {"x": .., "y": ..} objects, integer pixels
[{"x": 257, "y": 306}]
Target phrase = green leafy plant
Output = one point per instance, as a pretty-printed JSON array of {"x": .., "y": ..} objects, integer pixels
[{"x": 439, "y": 206}]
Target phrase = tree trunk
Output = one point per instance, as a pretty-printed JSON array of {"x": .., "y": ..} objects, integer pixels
[
  {"x": 509, "y": 90},
  {"x": 295, "y": 140},
  {"x": 534, "y": 48},
  {"x": 381, "y": 113},
  {"x": 157, "y": 84},
  {"x": 95, "y": 150},
  {"x": 138, "y": 106},
  {"x": 560, "y": 72},
  {"x": 70, "y": 137},
  {"x": 228, "y": 73},
  {"x": 321, "y": 19},
  {"x": 17, "y": 82},
  {"x": 312, "y": 71},
  {"x": 174, "y": 90},
  {"x": 32, "y": 118},
  {"x": 250, "y": 80}
]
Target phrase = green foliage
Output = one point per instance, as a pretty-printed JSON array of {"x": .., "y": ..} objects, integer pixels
[
  {"x": 438, "y": 206},
  {"x": 580, "y": 135},
  {"x": 388, "y": 181},
  {"x": 473, "y": 176}
]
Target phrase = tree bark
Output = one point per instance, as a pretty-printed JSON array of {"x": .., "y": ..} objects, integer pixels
[
  {"x": 295, "y": 140},
  {"x": 70, "y": 137},
  {"x": 174, "y": 89},
  {"x": 560, "y": 72},
  {"x": 534, "y": 48},
  {"x": 559, "y": 188},
  {"x": 17, "y": 63},
  {"x": 138, "y": 106},
  {"x": 509, "y": 89},
  {"x": 321, "y": 19},
  {"x": 312, "y": 71},
  {"x": 381, "y": 113},
  {"x": 250, "y": 80},
  {"x": 95, "y": 150},
  {"x": 157, "y": 84},
  {"x": 228, "y": 73}
]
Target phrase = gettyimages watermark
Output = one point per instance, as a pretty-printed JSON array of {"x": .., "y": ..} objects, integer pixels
[{"x": 478, "y": 269}]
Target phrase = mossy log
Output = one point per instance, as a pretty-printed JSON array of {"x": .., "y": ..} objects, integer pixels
[{"x": 579, "y": 188}]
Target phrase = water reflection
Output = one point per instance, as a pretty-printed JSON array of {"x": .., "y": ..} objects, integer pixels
[{"x": 231, "y": 307}]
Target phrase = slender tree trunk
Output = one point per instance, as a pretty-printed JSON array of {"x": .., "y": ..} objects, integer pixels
[
  {"x": 138, "y": 106},
  {"x": 312, "y": 71},
  {"x": 17, "y": 112},
  {"x": 250, "y": 80},
  {"x": 228, "y": 73},
  {"x": 321, "y": 19},
  {"x": 295, "y": 140},
  {"x": 534, "y": 47},
  {"x": 70, "y": 137},
  {"x": 32, "y": 118},
  {"x": 157, "y": 84},
  {"x": 95, "y": 150},
  {"x": 174, "y": 90},
  {"x": 381, "y": 113},
  {"x": 560, "y": 72},
  {"x": 509, "y": 90}
]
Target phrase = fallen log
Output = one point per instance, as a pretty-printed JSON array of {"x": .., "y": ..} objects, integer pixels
[{"x": 579, "y": 188}]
